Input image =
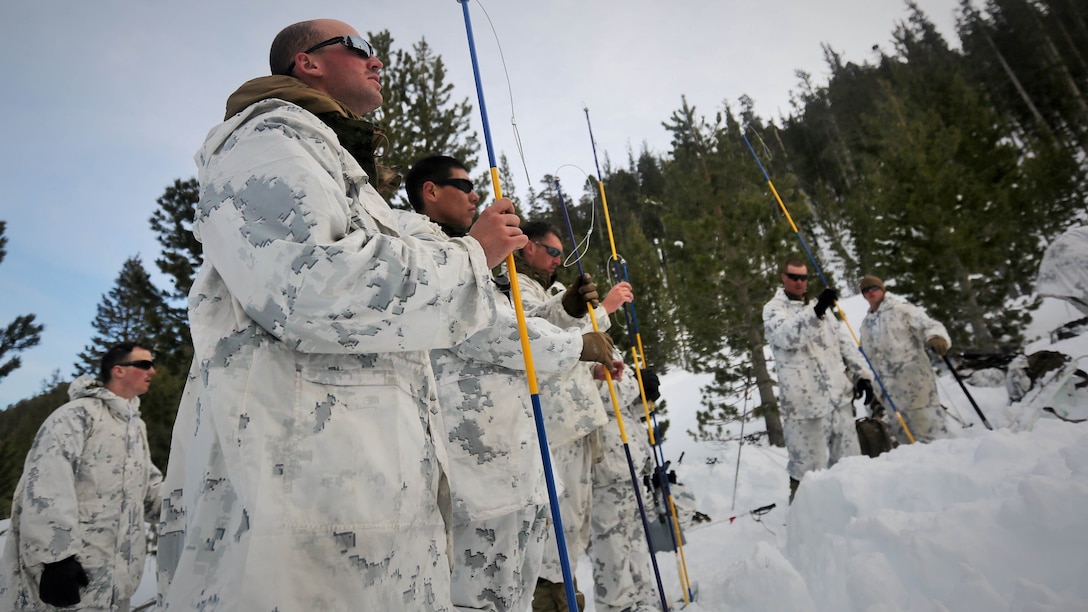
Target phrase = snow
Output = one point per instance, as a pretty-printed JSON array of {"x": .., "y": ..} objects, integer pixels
[{"x": 988, "y": 520}]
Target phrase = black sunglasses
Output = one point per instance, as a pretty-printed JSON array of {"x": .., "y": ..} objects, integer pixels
[
  {"x": 866, "y": 290},
  {"x": 797, "y": 277},
  {"x": 358, "y": 44},
  {"x": 552, "y": 251},
  {"x": 464, "y": 185},
  {"x": 143, "y": 364}
]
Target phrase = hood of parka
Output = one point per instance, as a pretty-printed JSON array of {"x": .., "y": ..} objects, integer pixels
[{"x": 358, "y": 136}]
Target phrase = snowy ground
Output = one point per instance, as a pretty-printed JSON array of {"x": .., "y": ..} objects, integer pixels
[{"x": 990, "y": 520}]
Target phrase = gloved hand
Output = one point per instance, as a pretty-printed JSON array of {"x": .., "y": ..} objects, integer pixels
[
  {"x": 579, "y": 293},
  {"x": 864, "y": 387},
  {"x": 597, "y": 346},
  {"x": 938, "y": 344},
  {"x": 651, "y": 384},
  {"x": 826, "y": 299},
  {"x": 60, "y": 582}
]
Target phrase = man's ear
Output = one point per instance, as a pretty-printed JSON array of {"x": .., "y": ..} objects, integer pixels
[{"x": 306, "y": 63}]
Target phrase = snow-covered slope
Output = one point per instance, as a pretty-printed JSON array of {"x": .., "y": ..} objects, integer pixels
[{"x": 989, "y": 520}]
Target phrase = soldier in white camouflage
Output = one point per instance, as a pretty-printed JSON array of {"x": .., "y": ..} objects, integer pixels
[
  {"x": 623, "y": 578},
  {"x": 819, "y": 371},
  {"x": 1063, "y": 272},
  {"x": 895, "y": 335},
  {"x": 573, "y": 410},
  {"x": 77, "y": 518},
  {"x": 306, "y": 467},
  {"x": 495, "y": 470}
]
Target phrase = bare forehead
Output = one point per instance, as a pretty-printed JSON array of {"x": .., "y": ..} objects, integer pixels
[
  {"x": 138, "y": 354},
  {"x": 796, "y": 269}
]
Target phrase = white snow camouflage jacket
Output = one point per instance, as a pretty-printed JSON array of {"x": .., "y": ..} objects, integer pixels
[
  {"x": 816, "y": 362},
  {"x": 87, "y": 487},
  {"x": 495, "y": 465},
  {"x": 613, "y": 465},
  {"x": 569, "y": 400},
  {"x": 894, "y": 337},
  {"x": 1063, "y": 272},
  {"x": 305, "y": 468}
]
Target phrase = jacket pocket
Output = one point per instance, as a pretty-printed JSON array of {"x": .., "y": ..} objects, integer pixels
[{"x": 358, "y": 454}]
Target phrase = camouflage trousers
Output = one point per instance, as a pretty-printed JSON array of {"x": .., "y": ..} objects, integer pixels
[
  {"x": 816, "y": 444},
  {"x": 925, "y": 424},
  {"x": 571, "y": 464},
  {"x": 623, "y": 577},
  {"x": 496, "y": 561}
]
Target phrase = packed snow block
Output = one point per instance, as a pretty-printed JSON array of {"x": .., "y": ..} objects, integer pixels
[{"x": 959, "y": 524}]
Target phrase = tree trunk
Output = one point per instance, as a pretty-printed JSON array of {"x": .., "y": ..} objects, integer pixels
[
  {"x": 974, "y": 314},
  {"x": 768, "y": 405}
]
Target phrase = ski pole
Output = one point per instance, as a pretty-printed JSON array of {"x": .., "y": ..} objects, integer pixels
[
  {"x": 956, "y": 375},
  {"x": 740, "y": 444},
  {"x": 820, "y": 273},
  {"x": 519, "y": 309},
  {"x": 638, "y": 355},
  {"x": 616, "y": 409}
]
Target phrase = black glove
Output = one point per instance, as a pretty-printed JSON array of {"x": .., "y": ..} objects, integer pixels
[
  {"x": 826, "y": 299},
  {"x": 579, "y": 293},
  {"x": 864, "y": 387},
  {"x": 651, "y": 384},
  {"x": 60, "y": 582},
  {"x": 597, "y": 346}
]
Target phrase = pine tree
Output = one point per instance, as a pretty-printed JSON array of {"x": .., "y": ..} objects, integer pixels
[
  {"x": 419, "y": 114},
  {"x": 182, "y": 253},
  {"x": 172, "y": 223},
  {"x": 960, "y": 229},
  {"x": 134, "y": 310},
  {"x": 725, "y": 241},
  {"x": 1024, "y": 54},
  {"x": 20, "y": 334}
]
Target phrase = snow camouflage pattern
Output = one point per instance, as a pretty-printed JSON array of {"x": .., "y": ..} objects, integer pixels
[
  {"x": 569, "y": 400},
  {"x": 1063, "y": 272},
  {"x": 623, "y": 577},
  {"x": 306, "y": 461},
  {"x": 894, "y": 338},
  {"x": 496, "y": 561},
  {"x": 571, "y": 465},
  {"x": 573, "y": 413},
  {"x": 495, "y": 469},
  {"x": 495, "y": 465},
  {"x": 115, "y": 487},
  {"x": 812, "y": 359}
]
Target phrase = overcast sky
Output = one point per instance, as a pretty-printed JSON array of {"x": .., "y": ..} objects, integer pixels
[{"x": 107, "y": 101}]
